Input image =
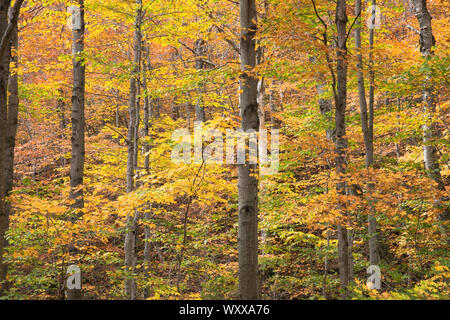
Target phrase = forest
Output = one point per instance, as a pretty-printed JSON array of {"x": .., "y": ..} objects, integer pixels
[{"x": 224, "y": 150}]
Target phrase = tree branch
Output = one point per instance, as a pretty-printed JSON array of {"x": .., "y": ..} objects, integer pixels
[{"x": 13, "y": 18}]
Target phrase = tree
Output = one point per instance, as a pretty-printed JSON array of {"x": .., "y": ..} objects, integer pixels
[
  {"x": 8, "y": 118},
  {"x": 78, "y": 127},
  {"x": 132, "y": 142},
  {"x": 78, "y": 120},
  {"x": 341, "y": 139},
  {"x": 367, "y": 118},
  {"x": 200, "y": 50},
  {"x": 247, "y": 173},
  {"x": 429, "y": 100},
  {"x": 427, "y": 42}
]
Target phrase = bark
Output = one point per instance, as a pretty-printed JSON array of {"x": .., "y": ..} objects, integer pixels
[
  {"x": 136, "y": 130},
  {"x": 13, "y": 112},
  {"x": 147, "y": 250},
  {"x": 367, "y": 124},
  {"x": 148, "y": 116},
  {"x": 325, "y": 104},
  {"x": 361, "y": 88},
  {"x": 341, "y": 140},
  {"x": 78, "y": 120},
  {"x": 261, "y": 99},
  {"x": 61, "y": 114},
  {"x": 130, "y": 255},
  {"x": 247, "y": 174},
  {"x": 374, "y": 247},
  {"x": 429, "y": 99},
  {"x": 147, "y": 106},
  {"x": 133, "y": 109},
  {"x": 427, "y": 42},
  {"x": 78, "y": 131},
  {"x": 132, "y": 106},
  {"x": 261, "y": 89},
  {"x": 351, "y": 272},
  {"x": 8, "y": 121},
  {"x": 200, "y": 50},
  {"x": 60, "y": 106},
  {"x": 10, "y": 23}
]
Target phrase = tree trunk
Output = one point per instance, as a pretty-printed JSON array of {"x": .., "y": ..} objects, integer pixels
[
  {"x": 325, "y": 104},
  {"x": 427, "y": 42},
  {"x": 78, "y": 120},
  {"x": 200, "y": 50},
  {"x": 4, "y": 205},
  {"x": 13, "y": 112},
  {"x": 341, "y": 140},
  {"x": 429, "y": 98},
  {"x": 374, "y": 251},
  {"x": 367, "y": 122},
  {"x": 247, "y": 173},
  {"x": 78, "y": 134},
  {"x": 263, "y": 141},
  {"x": 148, "y": 116},
  {"x": 131, "y": 223},
  {"x": 8, "y": 120}
]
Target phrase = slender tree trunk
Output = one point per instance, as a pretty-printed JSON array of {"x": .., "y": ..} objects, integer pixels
[
  {"x": 78, "y": 131},
  {"x": 374, "y": 250},
  {"x": 247, "y": 173},
  {"x": 261, "y": 89},
  {"x": 60, "y": 106},
  {"x": 9, "y": 107},
  {"x": 325, "y": 104},
  {"x": 133, "y": 109},
  {"x": 148, "y": 116},
  {"x": 261, "y": 100},
  {"x": 427, "y": 42},
  {"x": 200, "y": 50},
  {"x": 78, "y": 120},
  {"x": 361, "y": 88},
  {"x": 367, "y": 123},
  {"x": 13, "y": 111},
  {"x": 341, "y": 140},
  {"x": 429, "y": 98},
  {"x": 147, "y": 249},
  {"x": 61, "y": 114}
]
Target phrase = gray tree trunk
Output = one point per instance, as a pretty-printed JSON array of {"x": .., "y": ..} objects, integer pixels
[
  {"x": 148, "y": 116},
  {"x": 374, "y": 248},
  {"x": 427, "y": 42},
  {"x": 261, "y": 99},
  {"x": 325, "y": 104},
  {"x": 367, "y": 123},
  {"x": 200, "y": 50},
  {"x": 78, "y": 120},
  {"x": 429, "y": 97},
  {"x": 341, "y": 140},
  {"x": 8, "y": 120},
  {"x": 133, "y": 128},
  {"x": 78, "y": 130},
  {"x": 247, "y": 173}
]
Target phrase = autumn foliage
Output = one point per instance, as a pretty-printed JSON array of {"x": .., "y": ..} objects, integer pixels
[{"x": 188, "y": 213}]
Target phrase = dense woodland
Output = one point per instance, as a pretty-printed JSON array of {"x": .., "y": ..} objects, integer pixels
[{"x": 92, "y": 91}]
